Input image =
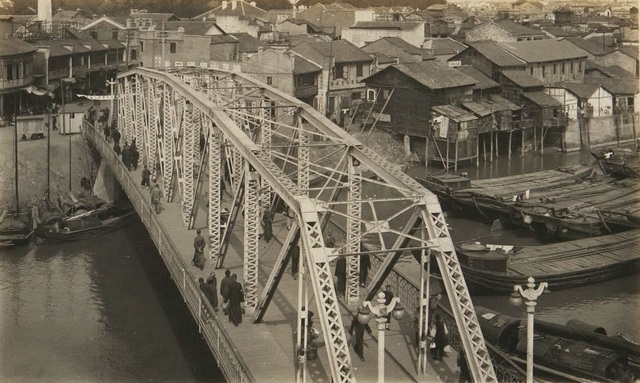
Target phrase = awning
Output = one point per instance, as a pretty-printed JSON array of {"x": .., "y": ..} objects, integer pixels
[
  {"x": 96, "y": 97},
  {"x": 37, "y": 91}
]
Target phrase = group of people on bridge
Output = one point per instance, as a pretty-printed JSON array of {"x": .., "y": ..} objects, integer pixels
[{"x": 231, "y": 292}]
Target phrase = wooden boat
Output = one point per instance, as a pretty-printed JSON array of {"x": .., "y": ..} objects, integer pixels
[
  {"x": 621, "y": 163},
  {"x": 490, "y": 269},
  {"x": 15, "y": 229},
  {"x": 493, "y": 198},
  {"x": 587, "y": 209},
  {"x": 108, "y": 217},
  {"x": 574, "y": 350}
]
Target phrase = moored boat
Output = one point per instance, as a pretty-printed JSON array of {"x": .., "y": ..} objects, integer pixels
[
  {"x": 621, "y": 163},
  {"x": 491, "y": 269},
  {"x": 15, "y": 229},
  {"x": 108, "y": 217},
  {"x": 575, "y": 349}
]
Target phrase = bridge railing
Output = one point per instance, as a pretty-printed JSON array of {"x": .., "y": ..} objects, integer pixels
[{"x": 226, "y": 355}]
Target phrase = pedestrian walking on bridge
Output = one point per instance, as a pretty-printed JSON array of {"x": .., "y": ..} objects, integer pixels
[
  {"x": 198, "y": 245},
  {"x": 156, "y": 195},
  {"x": 235, "y": 301},
  {"x": 225, "y": 283},
  {"x": 358, "y": 329},
  {"x": 146, "y": 174}
]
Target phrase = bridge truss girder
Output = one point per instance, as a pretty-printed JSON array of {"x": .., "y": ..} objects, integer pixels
[{"x": 258, "y": 126}]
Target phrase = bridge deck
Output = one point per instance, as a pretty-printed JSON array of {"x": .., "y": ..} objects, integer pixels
[{"x": 268, "y": 348}]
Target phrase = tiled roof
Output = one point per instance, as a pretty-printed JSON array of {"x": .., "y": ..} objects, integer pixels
[
  {"x": 480, "y": 109},
  {"x": 560, "y": 32},
  {"x": 242, "y": 8},
  {"x": 434, "y": 74},
  {"x": 499, "y": 103},
  {"x": 617, "y": 86},
  {"x": 589, "y": 46},
  {"x": 494, "y": 53},
  {"x": 409, "y": 48},
  {"x": 522, "y": 78},
  {"x": 154, "y": 16},
  {"x": 482, "y": 81},
  {"x": 342, "y": 51},
  {"x": 11, "y": 46},
  {"x": 248, "y": 43},
  {"x": 444, "y": 46},
  {"x": 543, "y": 50},
  {"x": 388, "y": 25},
  {"x": 301, "y": 65},
  {"x": 518, "y": 29},
  {"x": 223, "y": 39},
  {"x": 384, "y": 59},
  {"x": 541, "y": 98},
  {"x": 197, "y": 28},
  {"x": 630, "y": 51},
  {"x": 582, "y": 90}
]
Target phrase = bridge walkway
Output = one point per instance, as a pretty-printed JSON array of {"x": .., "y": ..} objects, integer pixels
[{"x": 268, "y": 348}]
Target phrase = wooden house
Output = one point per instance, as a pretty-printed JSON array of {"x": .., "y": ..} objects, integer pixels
[{"x": 455, "y": 136}]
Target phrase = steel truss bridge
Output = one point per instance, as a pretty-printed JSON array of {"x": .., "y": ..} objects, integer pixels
[{"x": 204, "y": 128}]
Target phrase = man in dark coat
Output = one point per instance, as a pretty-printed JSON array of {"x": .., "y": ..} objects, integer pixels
[
  {"x": 295, "y": 261},
  {"x": 359, "y": 330},
  {"x": 365, "y": 265},
  {"x": 341, "y": 274},
  {"x": 440, "y": 338},
  {"x": 212, "y": 291},
  {"x": 126, "y": 156},
  {"x": 235, "y": 299},
  {"x": 146, "y": 174},
  {"x": 115, "y": 134},
  {"x": 209, "y": 293},
  {"x": 224, "y": 287},
  {"x": 135, "y": 155},
  {"x": 156, "y": 195},
  {"x": 198, "y": 245},
  {"x": 267, "y": 219}
]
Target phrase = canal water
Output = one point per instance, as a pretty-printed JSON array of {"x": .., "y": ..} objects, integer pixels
[
  {"x": 104, "y": 310},
  {"x": 107, "y": 310}
]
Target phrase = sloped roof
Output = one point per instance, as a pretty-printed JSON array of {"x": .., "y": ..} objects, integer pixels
[
  {"x": 224, "y": 39},
  {"x": 341, "y": 50},
  {"x": 387, "y": 25},
  {"x": 105, "y": 19},
  {"x": 494, "y": 53},
  {"x": 11, "y": 46},
  {"x": 301, "y": 65},
  {"x": 543, "y": 50},
  {"x": 67, "y": 15},
  {"x": 408, "y": 47},
  {"x": 588, "y": 46},
  {"x": 384, "y": 59},
  {"x": 433, "y": 74},
  {"x": 500, "y": 103},
  {"x": 541, "y": 98},
  {"x": 630, "y": 51},
  {"x": 445, "y": 46},
  {"x": 517, "y": 29},
  {"x": 522, "y": 78},
  {"x": 480, "y": 109},
  {"x": 582, "y": 90},
  {"x": 248, "y": 43},
  {"x": 155, "y": 16},
  {"x": 609, "y": 70},
  {"x": 561, "y": 32},
  {"x": 198, "y": 28},
  {"x": 616, "y": 86},
  {"x": 455, "y": 113},
  {"x": 482, "y": 81}
]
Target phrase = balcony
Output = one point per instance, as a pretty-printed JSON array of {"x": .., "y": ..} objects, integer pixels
[
  {"x": 305, "y": 91},
  {"x": 8, "y": 85}
]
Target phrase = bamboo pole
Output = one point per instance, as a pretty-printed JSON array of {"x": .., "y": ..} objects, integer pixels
[{"x": 510, "y": 134}]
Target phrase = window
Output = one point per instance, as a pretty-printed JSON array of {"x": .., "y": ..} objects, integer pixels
[
  {"x": 563, "y": 68},
  {"x": 531, "y": 70},
  {"x": 555, "y": 68},
  {"x": 172, "y": 47},
  {"x": 82, "y": 61},
  {"x": 134, "y": 54},
  {"x": 141, "y": 46},
  {"x": 93, "y": 35},
  {"x": 269, "y": 80},
  {"x": 10, "y": 75},
  {"x": 338, "y": 72},
  {"x": 571, "y": 67},
  {"x": 356, "y": 96},
  {"x": 114, "y": 34},
  {"x": 544, "y": 71},
  {"x": 359, "y": 70},
  {"x": 579, "y": 66}
]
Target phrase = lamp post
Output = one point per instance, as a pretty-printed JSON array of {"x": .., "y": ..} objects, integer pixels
[
  {"x": 380, "y": 312},
  {"x": 531, "y": 294},
  {"x": 110, "y": 84}
]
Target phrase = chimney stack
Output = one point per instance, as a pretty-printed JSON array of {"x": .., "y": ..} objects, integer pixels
[{"x": 44, "y": 11}]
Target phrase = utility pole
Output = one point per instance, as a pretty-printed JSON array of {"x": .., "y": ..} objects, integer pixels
[{"x": 163, "y": 41}]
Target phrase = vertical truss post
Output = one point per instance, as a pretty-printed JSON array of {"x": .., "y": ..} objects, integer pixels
[
  {"x": 215, "y": 138},
  {"x": 303, "y": 154},
  {"x": 302, "y": 335},
  {"x": 167, "y": 140},
  {"x": 265, "y": 142},
  {"x": 423, "y": 314},
  {"x": 179, "y": 153},
  {"x": 251, "y": 223},
  {"x": 140, "y": 116},
  {"x": 152, "y": 138},
  {"x": 189, "y": 149},
  {"x": 317, "y": 258},
  {"x": 128, "y": 111},
  {"x": 353, "y": 230},
  {"x": 461, "y": 305},
  {"x": 122, "y": 118}
]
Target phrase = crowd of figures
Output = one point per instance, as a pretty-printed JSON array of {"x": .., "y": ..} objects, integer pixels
[{"x": 231, "y": 292}]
